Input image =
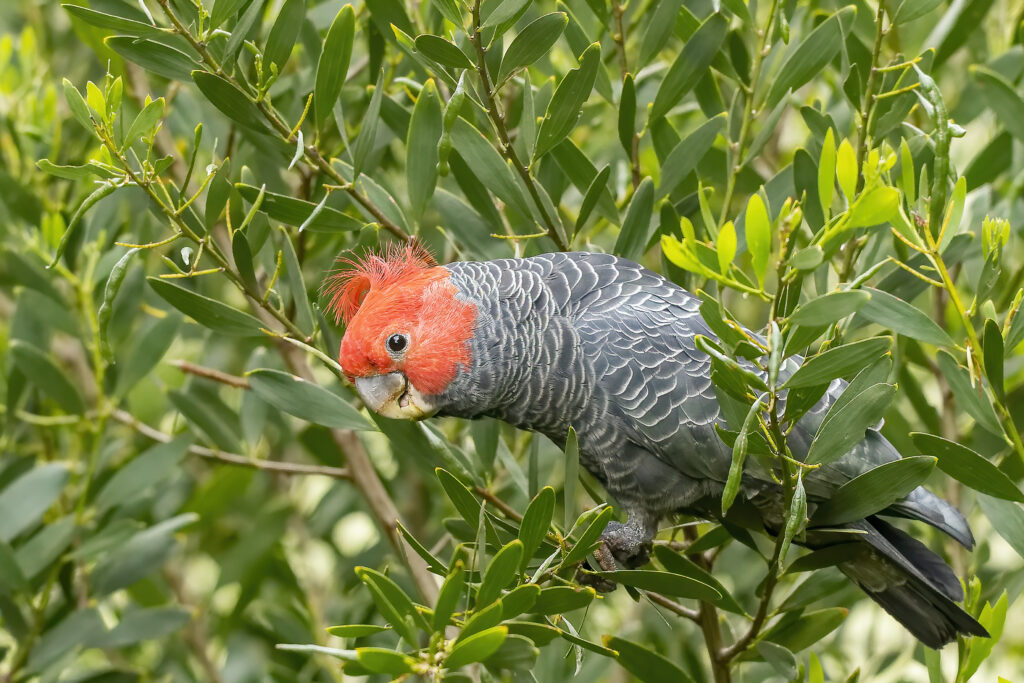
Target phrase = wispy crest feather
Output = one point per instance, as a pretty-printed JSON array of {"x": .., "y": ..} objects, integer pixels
[{"x": 354, "y": 277}]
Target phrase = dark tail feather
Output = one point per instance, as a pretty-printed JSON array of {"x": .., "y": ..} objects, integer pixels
[
  {"x": 925, "y": 506},
  {"x": 911, "y": 583}
]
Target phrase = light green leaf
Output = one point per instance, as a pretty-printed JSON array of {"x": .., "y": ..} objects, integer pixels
[
  {"x": 811, "y": 55},
  {"x": 476, "y": 648},
  {"x": 873, "y": 207},
  {"x": 442, "y": 51},
  {"x": 142, "y": 472},
  {"x": 758, "y": 229},
  {"x": 846, "y": 169},
  {"x": 23, "y": 501},
  {"x": 500, "y": 572}
]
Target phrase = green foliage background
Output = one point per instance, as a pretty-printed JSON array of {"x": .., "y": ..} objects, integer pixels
[{"x": 177, "y": 178}]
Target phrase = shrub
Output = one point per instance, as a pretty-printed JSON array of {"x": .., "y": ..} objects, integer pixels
[{"x": 839, "y": 177}]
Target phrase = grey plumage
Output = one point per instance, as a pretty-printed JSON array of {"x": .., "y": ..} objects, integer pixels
[{"x": 605, "y": 346}]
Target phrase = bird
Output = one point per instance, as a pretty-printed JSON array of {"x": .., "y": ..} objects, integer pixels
[{"x": 606, "y": 347}]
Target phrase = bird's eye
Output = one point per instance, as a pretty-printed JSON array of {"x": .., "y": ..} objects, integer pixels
[{"x": 397, "y": 343}]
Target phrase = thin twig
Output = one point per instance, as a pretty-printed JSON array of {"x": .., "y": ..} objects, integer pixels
[
  {"x": 211, "y": 373},
  {"x": 673, "y": 606},
  {"x": 124, "y": 417}
]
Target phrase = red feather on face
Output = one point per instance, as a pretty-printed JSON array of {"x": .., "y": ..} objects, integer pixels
[{"x": 401, "y": 292}]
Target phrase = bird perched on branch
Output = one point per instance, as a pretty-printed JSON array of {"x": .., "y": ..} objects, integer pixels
[{"x": 605, "y": 346}]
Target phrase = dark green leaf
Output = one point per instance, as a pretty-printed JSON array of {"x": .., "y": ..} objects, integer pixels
[
  {"x": 425, "y": 129},
  {"x": 846, "y": 426},
  {"x": 993, "y": 354},
  {"x": 902, "y": 318},
  {"x": 231, "y": 101},
  {"x": 476, "y": 648},
  {"x": 44, "y": 373},
  {"x": 111, "y": 22},
  {"x": 692, "y": 62},
  {"x": 968, "y": 467},
  {"x": 367, "y": 136},
  {"x": 873, "y": 491},
  {"x": 561, "y": 599},
  {"x": 644, "y": 663},
  {"x": 500, "y": 572},
  {"x": 142, "y": 472},
  {"x": 636, "y": 226},
  {"x": 355, "y": 630},
  {"x": 830, "y": 308},
  {"x": 384, "y": 661},
  {"x": 283, "y": 34},
  {"x": 465, "y": 502},
  {"x": 811, "y": 55},
  {"x": 442, "y": 51},
  {"x": 1004, "y": 98},
  {"x": 685, "y": 156},
  {"x": 332, "y": 69},
  {"x": 566, "y": 104},
  {"x": 536, "y": 521},
  {"x": 1007, "y": 518},
  {"x": 146, "y": 624},
  {"x": 452, "y": 590},
  {"x": 532, "y": 43},
  {"x": 23, "y": 501},
  {"x": 665, "y": 583},
  {"x": 153, "y": 56},
  {"x": 296, "y": 212},
  {"x": 968, "y": 396},
  {"x": 838, "y": 362},
  {"x": 306, "y": 400},
  {"x": 141, "y": 555},
  {"x": 208, "y": 312}
]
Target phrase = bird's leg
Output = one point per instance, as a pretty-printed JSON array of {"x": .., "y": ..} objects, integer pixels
[{"x": 629, "y": 544}]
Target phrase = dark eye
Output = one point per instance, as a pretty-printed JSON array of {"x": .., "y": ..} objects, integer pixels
[{"x": 397, "y": 343}]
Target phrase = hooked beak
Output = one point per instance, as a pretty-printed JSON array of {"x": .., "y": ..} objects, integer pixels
[{"x": 392, "y": 395}]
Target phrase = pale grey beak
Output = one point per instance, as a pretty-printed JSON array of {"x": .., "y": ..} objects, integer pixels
[
  {"x": 392, "y": 395},
  {"x": 380, "y": 390}
]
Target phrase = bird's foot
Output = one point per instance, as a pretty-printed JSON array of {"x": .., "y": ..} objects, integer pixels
[{"x": 626, "y": 544}]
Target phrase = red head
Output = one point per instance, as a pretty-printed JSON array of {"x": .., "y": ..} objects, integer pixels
[{"x": 406, "y": 332}]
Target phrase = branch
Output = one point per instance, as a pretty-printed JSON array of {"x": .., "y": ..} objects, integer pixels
[
  {"x": 506, "y": 148},
  {"x": 210, "y": 373},
  {"x": 126, "y": 418}
]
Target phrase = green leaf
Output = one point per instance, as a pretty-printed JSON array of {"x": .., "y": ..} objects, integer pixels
[
  {"x": 77, "y": 105},
  {"x": 488, "y": 166},
  {"x": 572, "y": 473},
  {"x": 663, "y": 582},
  {"x": 425, "y": 129},
  {"x": 739, "y": 455},
  {"x": 536, "y": 521},
  {"x": 23, "y": 501},
  {"x": 142, "y": 472},
  {"x": 902, "y": 318},
  {"x": 452, "y": 590},
  {"x": 224, "y": 10},
  {"x": 391, "y": 600},
  {"x": 758, "y": 228},
  {"x": 332, "y": 68},
  {"x": 367, "y": 137},
  {"x": 993, "y": 354},
  {"x": 839, "y": 361},
  {"x": 355, "y": 630},
  {"x": 846, "y": 170},
  {"x": 293, "y": 274},
  {"x": 644, "y": 663},
  {"x": 146, "y": 351},
  {"x": 231, "y": 101},
  {"x": 590, "y": 534},
  {"x": 830, "y": 308},
  {"x": 1003, "y": 98},
  {"x": 442, "y": 51},
  {"x": 799, "y": 634},
  {"x": 725, "y": 247},
  {"x": 566, "y": 104},
  {"x": 811, "y": 56},
  {"x": 465, "y": 502},
  {"x": 141, "y": 555},
  {"x": 561, "y": 599},
  {"x": 908, "y": 10},
  {"x": 691, "y": 63},
  {"x": 685, "y": 156},
  {"x": 111, "y": 22},
  {"x": 284, "y": 33},
  {"x": 873, "y": 491},
  {"x": 968, "y": 467},
  {"x": 500, "y": 572},
  {"x": 517, "y": 653},
  {"x": 598, "y": 187},
  {"x": 476, "y": 648},
  {"x": 519, "y": 600},
  {"x": 145, "y": 123},
  {"x": 845, "y": 426},
  {"x": 150, "y": 623},
  {"x": 796, "y": 516},
  {"x": 874, "y": 207},
  {"x": 636, "y": 227},
  {"x": 296, "y": 212},
  {"x": 44, "y": 373},
  {"x": 209, "y": 415},
  {"x": 677, "y": 564},
  {"x": 241, "y": 29},
  {"x": 1007, "y": 518},
  {"x": 383, "y": 661},
  {"x": 967, "y": 394},
  {"x": 12, "y": 577},
  {"x": 993, "y": 618},
  {"x": 153, "y": 56},
  {"x": 532, "y": 43},
  {"x": 207, "y": 312},
  {"x": 306, "y": 400}
]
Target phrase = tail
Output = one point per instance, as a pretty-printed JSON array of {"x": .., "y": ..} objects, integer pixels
[{"x": 911, "y": 583}]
